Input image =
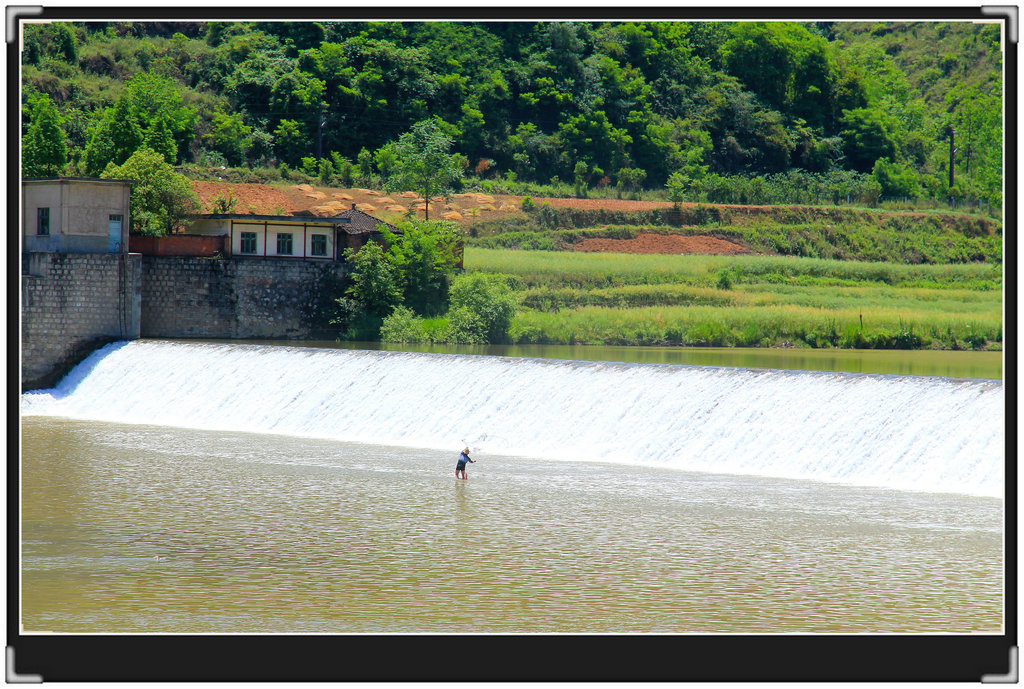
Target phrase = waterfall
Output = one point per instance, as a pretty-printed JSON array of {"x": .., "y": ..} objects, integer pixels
[{"x": 901, "y": 432}]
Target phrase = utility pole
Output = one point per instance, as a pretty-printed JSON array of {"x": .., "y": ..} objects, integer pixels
[
  {"x": 952, "y": 150},
  {"x": 320, "y": 133}
]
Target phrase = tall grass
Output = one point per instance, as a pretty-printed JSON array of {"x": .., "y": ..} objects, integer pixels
[
  {"x": 596, "y": 270},
  {"x": 619, "y": 299},
  {"x": 764, "y": 326},
  {"x": 847, "y": 297}
]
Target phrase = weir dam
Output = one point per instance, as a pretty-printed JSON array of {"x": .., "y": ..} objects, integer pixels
[{"x": 897, "y": 432}]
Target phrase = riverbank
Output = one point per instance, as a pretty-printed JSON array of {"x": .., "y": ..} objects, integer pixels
[
  {"x": 571, "y": 298},
  {"x": 643, "y": 273}
]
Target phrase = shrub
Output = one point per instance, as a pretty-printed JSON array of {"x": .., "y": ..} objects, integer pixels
[
  {"x": 465, "y": 326},
  {"x": 481, "y": 305},
  {"x": 403, "y": 326}
]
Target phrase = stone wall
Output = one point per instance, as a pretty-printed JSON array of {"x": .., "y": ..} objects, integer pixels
[
  {"x": 71, "y": 304},
  {"x": 234, "y": 298}
]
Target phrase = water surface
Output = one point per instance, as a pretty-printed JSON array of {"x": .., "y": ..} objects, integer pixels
[
  {"x": 134, "y": 528},
  {"x": 183, "y": 487},
  {"x": 943, "y": 363}
]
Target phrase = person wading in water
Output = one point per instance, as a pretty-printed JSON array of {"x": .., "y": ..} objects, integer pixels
[{"x": 464, "y": 459}]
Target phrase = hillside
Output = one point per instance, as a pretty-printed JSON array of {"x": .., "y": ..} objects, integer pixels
[
  {"x": 743, "y": 112},
  {"x": 941, "y": 61}
]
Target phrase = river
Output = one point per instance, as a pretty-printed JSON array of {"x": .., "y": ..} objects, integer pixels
[{"x": 210, "y": 487}]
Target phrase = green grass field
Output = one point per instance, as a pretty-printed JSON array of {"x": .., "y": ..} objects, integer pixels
[{"x": 621, "y": 299}]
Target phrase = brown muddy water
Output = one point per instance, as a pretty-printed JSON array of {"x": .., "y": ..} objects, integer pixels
[{"x": 158, "y": 529}]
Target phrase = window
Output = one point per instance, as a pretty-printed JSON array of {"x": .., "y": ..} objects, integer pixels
[
  {"x": 42, "y": 221},
  {"x": 284, "y": 243},
  {"x": 319, "y": 245},
  {"x": 248, "y": 243}
]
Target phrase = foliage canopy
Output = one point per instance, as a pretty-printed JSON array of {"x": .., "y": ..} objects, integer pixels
[{"x": 530, "y": 101}]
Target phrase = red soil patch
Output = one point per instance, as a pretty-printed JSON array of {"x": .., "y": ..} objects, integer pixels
[
  {"x": 258, "y": 199},
  {"x": 599, "y": 204},
  {"x": 647, "y": 243},
  {"x": 267, "y": 199}
]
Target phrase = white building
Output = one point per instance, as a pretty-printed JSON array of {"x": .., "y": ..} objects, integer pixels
[{"x": 298, "y": 236}]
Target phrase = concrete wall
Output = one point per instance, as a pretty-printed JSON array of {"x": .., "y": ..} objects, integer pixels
[
  {"x": 80, "y": 211},
  {"x": 71, "y": 304},
  {"x": 244, "y": 298}
]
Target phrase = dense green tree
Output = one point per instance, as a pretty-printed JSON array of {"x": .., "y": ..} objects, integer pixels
[
  {"x": 787, "y": 66},
  {"x": 44, "y": 147},
  {"x": 376, "y": 283},
  {"x": 392, "y": 88},
  {"x": 459, "y": 47},
  {"x": 153, "y": 98},
  {"x": 365, "y": 164},
  {"x": 126, "y": 132},
  {"x": 581, "y": 175},
  {"x": 976, "y": 119},
  {"x": 296, "y": 35},
  {"x": 290, "y": 140},
  {"x": 64, "y": 42},
  {"x": 595, "y": 140},
  {"x": 868, "y": 135},
  {"x": 162, "y": 200},
  {"x": 250, "y": 84},
  {"x": 160, "y": 139},
  {"x": 100, "y": 149},
  {"x": 678, "y": 184},
  {"x": 761, "y": 56},
  {"x": 425, "y": 253},
  {"x": 630, "y": 179},
  {"x": 425, "y": 164},
  {"x": 535, "y": 99},
  {"x": 230, "y": 136},
  {"x": 32, "y": 49},
  {"x": 114, "y": 139},
  {"x": 374, "y": 290},
  {"x": 749, "y": 138}
]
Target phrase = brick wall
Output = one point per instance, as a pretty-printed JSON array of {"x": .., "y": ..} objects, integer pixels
[
  {"x": 179, "y": 245},
  {"x": 71, "y": 304},
  {"x": 243, "y": 298}
]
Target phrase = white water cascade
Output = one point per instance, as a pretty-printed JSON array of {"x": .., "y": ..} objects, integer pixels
[{"x": 902, "y": 432}]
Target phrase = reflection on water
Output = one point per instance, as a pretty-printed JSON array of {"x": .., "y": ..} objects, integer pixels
[
  {"x": 949, "y": 364},
  {"x": 148, "y": 529}
]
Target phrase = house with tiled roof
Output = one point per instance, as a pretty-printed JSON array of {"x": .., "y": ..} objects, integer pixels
[{"x": 301, "y": 235}]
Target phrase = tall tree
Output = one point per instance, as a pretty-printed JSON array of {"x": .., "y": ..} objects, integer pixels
[
  {"x": 425, "y": 253},
  {"x": 424, "y": 163},
  {"x": 126, "y": 133},
  {"x": 44, "y": 148},
  {"x": 154, "y": 97},
  {"x": 115, "y": 138},
  {"x": 159, "y": 138}
]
